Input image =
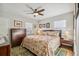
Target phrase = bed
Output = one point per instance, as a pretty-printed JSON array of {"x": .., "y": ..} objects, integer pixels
[
  {"x": 44, "y": 44},
  {"x": 17, "y": 35}
]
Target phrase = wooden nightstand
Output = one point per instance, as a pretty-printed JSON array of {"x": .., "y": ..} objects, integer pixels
[
  {"x": 5, "y": 50},
  {"x": 67, "y": 42}
]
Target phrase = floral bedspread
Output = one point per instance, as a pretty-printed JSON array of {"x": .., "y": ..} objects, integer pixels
[{"x": 41, "y": 45}]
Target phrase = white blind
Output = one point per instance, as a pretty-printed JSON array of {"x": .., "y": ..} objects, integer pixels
[
  {"x": 29, "y": 28},
  {"x": 60, "y": 24}
]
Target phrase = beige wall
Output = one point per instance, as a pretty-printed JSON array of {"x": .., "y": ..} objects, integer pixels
[
  {"x": 4, "y": 27},
  {"x": 7, "y": 23},
  {"x": 67, "y": 16},
  {"x": 23, "y": 23}
]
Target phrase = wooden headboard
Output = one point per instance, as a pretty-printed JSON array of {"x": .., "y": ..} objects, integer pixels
[
  {"x": 54, "y": 30},
  {"x": 17, "y": 35}
]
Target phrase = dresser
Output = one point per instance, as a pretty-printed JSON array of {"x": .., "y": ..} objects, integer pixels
[
  {"x": 67, "y": 42},
  {"x": 5, "y": 49}
]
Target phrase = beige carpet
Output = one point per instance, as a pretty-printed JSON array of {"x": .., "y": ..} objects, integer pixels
[{"x": 20, "y": 51}]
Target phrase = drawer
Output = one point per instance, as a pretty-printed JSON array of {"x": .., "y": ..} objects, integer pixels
[{"x": 5, "y": 50}]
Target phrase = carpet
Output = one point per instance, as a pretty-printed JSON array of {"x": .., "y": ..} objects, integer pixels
[
  {"x": 61, "y": 52},
  {"x": 20, "y": 51}
]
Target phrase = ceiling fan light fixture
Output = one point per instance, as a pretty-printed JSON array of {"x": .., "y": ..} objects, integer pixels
[{"x": 36, "y": 14}]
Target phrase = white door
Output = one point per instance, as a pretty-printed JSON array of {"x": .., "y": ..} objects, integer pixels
[{"x": 77, "y": 41}]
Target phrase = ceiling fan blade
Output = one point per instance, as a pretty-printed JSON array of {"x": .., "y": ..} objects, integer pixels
[
  {"x": 41, "y": 14},
  {"x": 40, "y": 10},
  {"x": 30, "y": 7}
]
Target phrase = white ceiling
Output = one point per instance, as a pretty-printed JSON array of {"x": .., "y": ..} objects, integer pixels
[{"x": 51, "y": 9}]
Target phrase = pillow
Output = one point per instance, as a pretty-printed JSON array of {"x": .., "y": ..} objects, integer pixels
[
  {"x": 44, "y": 33},
  {"x": 40, "y": 32},
  {"x": 53, "y": 33},
  {"x": 50, "y": 33}
]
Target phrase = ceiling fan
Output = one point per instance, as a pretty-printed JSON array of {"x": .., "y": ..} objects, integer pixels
[{"x": 36, "y": 11}]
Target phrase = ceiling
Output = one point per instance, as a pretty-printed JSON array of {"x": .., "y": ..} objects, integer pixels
[{"x": 51, "y": 9}]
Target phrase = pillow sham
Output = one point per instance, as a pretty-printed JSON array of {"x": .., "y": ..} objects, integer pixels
[{"x": 53, "y": 33}]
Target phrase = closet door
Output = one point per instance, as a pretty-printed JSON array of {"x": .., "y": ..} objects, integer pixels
[
  {"x": 77, "y": 37},
  {"x": 76, "y": 31}
]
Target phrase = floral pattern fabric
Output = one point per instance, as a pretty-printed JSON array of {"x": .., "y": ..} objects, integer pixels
[{"x": 41, "y": 45}]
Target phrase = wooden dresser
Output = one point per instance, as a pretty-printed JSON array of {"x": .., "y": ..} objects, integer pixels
[
  {"x": 5, "y": 50},
  {"x": 67, "y": 42}
]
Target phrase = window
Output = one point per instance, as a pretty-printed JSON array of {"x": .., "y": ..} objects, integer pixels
[
  {"x": 29, "y": 28},
  {"x": 60, "y": 24}
]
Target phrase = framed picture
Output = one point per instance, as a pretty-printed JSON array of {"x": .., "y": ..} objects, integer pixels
[
  {"x": 47, "y": 25},
  {"x": 40, "y": 25},
  {"x": 17, "y": 23},
  {"x": 43, "y": 25}
]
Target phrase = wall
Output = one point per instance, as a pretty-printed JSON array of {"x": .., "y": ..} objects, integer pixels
[
  {"x": 24, "y": 20},
  {"x": 4, "y": 26},
  {"x": 67, "y": 16},
  {"x": 7, "y": 23},
  {"x": 27, "y": 20}
]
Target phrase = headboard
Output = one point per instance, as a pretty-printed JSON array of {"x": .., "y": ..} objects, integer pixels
[
  {"x": 59, "y": 31},
  {"x": 17, "y": 35}
]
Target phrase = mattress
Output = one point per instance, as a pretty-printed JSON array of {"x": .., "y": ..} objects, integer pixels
[{"x": 41, "y": 45}]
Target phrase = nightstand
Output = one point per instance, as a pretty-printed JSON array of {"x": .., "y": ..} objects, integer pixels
[
  {"x": 5, "y": 49},
  {"x": 67, "y": 42}
]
